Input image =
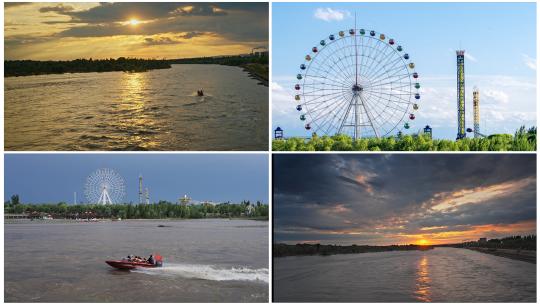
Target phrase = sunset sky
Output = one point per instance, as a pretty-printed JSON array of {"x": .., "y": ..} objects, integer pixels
[
  {"x": 63, "y": 31},
  {"x": 402, "y": 199}
]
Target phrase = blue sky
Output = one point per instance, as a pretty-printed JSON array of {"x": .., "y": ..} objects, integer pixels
[
  {"x": 499, "y": 39},
  {"x": 218, "y": 177}
]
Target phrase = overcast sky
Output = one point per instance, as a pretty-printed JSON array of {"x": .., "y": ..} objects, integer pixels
[
  {"x": 43, "y": 178},
  {"x": 499, "y": 40},
  {"x": 150, "y": 30},
  {"x": 402, "y": 198}
]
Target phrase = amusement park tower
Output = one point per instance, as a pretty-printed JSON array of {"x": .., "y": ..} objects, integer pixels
[
  {"x": 461, "y": 93},
  {"x": 476, "y": 111},
  {"x": 140, "y": 190}
]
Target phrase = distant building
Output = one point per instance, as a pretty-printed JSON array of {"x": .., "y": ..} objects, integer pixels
[
  {"x": 185, "y": 200},
  {"x": 261, "y": 54},
  {"x": 250, "y": 210},
  {"x": 482, "y": 240},
  {"x": 278, "y": 133}
]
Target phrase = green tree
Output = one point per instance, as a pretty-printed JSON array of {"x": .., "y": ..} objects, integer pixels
[{"x": 15, "y": 200}]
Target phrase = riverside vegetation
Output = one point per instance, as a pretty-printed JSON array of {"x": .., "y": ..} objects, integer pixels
[
  {"x": 33, "y": 67},
  {"x": 161, "y": 210},
  {"x": 518, "y": 242},
  {"x": 283, "y": 250},
  {"x": 256, "y": 65},
  {"x": 523, "y": 140}
]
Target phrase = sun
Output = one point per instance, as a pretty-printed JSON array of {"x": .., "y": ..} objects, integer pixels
[
  {"x": 423, "y": 242},
  {"x": 134, "y": 22}
]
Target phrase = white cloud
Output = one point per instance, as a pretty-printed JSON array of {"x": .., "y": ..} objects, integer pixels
[
  {"x": 506, "y": 102},
  {"x": 529, "y": 62},
  {"x": 496, "y": 95},
  {"x": 276, "y": 87},
  {"x": 328, "y": 14}
]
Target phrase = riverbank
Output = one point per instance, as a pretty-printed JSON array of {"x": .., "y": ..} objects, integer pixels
[
  {"x": 283, "y": 250},
  {"x": 67, "y": 221},
  {"x": 257, "y": 71},
  {"x": 515, "y": 254},
  {"x": 16, "y": 68}
]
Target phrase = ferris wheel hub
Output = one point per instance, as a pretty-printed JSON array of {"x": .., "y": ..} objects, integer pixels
[{"x": 357, "y": 88}]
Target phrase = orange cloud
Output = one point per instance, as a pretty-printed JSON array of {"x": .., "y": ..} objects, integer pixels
[
  {"x": 364, "y": 179},
  {"x": 472, "y": 233},
  {"x": 448, "y": 201}
]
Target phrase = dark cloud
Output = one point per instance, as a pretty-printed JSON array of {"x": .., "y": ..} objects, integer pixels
[
  {"x": 8, "y": 5},
  {"x": 59, "y": 8},
  {"x": 234, "y": 23},
  {"x": 242, "y": 22},
  {"x": 160, "y": 41},
  {"x": 192, "y": 35},
  {"x": 329, "y": 192}
]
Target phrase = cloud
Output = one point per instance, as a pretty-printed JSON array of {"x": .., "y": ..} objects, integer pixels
[
  {"x": 59, "y": 8},
  {"x": 193, "y": 34},
  {"x": 397, "y": 198},
  {"x": 8, "y": 5},
  {"x": 506, "y": 103},
  {"x": 328, "y": 14},
  {"x": 232, "y": 27},
  {"x": 245, "y": 23},
  {"x": 529, "y": 61},
  {"x": 160, "y": 41},
  {"x": 497, "y": 95}
]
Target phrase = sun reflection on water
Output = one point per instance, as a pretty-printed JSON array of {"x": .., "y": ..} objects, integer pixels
[
  {"x": 136, "y": 120},
  {"x": 423, "y": 281}
]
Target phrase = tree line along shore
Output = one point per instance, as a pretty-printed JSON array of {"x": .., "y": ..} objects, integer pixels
[
  {"x": 255, "y": 65},
  {"x": 161, "y": 210},
  {"x": 522, "y": 140},
  {"x": 283, "y": 250},
  {"x": 516, "y": 247}
]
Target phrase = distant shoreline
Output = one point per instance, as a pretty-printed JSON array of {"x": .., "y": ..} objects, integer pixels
[
  {"x": 63, "y": 221},
  {"x": 256, "y": 65},
  {"x": 256, "y": 71},
  {"x": 514, "y": 254},
  {"x": 284, "y": 250},
  {"x": 19, "y": 68}
]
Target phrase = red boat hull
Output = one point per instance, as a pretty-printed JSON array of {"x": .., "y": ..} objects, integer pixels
[{"x": 129, "y": 265}]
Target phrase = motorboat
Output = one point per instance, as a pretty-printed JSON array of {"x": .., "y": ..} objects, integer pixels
[{"x": 129, "y": 264}]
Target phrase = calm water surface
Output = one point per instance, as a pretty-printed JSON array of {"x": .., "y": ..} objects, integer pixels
[
  {"x": 155, "y": 110},
  {"x": 204, "y": 261},
  {"x": 439, "y": 275}
]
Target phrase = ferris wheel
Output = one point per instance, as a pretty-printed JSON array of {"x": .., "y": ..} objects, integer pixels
[
  {"x": 357, "y": 82},
  {"x": 104, "y": 186}
]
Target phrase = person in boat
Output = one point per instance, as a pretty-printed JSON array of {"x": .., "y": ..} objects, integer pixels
[
  {"x": 151, "y": 260},
  {"x": 200, "y": 92}
]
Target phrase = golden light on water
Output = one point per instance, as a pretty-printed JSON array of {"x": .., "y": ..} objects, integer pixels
[
  {"x": 137, "y": 121},
  {"x": 423, "y": 281}
]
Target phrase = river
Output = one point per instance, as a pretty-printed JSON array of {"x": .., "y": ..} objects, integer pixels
[
  {"x": 154, "y": 110},
  {"x": 204, "y": 261},
  {"x": 439, "y": 275}
]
